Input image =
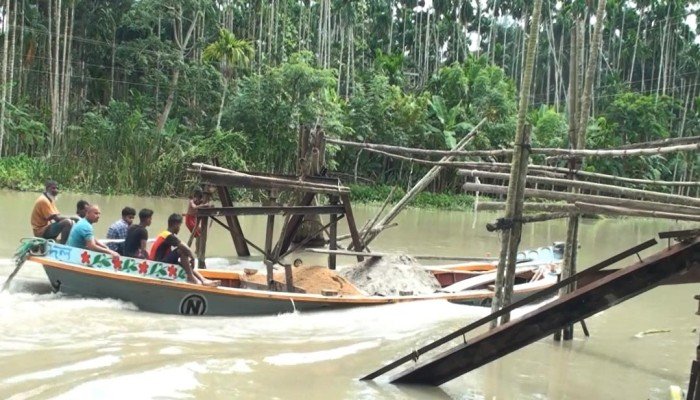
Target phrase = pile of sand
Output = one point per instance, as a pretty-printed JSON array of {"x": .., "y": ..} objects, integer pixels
[
  {"x": 312, "y": 279},
  {"x": 387, "y": 276}
]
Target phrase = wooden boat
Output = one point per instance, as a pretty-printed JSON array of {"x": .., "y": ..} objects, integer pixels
[
  {"x": 452, "y": 273},
  {"x": 158, "y": 287}
]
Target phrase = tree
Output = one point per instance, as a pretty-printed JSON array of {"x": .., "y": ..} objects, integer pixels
[{"x": 231, "y": 53}]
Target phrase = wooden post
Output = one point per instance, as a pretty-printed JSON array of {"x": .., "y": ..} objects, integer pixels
[
  {"x": 268, "y": 249},
  {"x": 333, "y": 236},
  {"x": 505, "y": 274},
  {"x": 233, "y": 224},
  {"x": 357, "y": 243},
  {"x": 202, "y": 241}
]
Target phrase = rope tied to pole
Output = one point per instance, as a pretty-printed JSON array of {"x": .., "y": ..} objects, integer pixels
[{"x": 28, "y": 247}]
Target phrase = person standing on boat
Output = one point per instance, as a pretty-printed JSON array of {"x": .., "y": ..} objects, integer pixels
[
  {"x": 137, "y": 236},
  {"x": 169, "y": 249},
  {"x": 46, "y": 220},
  {"x": 197, "y": 201},
  {"x": 82, "y": 235},
  {"x": 117, "y": 231}
]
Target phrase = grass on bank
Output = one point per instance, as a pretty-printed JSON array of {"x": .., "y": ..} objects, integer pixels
[{"x": 28, "y": 174}]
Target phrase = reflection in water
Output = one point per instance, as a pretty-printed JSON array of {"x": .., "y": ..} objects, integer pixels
[{"x": 69, "y": 348}]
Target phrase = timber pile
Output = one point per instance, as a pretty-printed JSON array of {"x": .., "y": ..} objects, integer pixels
[
  {"x": 313, "y": 279},
  {"x": 388, "y": 276}
]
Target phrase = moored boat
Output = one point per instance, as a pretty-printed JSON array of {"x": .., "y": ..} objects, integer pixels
[{"x": 158, "y": 287}]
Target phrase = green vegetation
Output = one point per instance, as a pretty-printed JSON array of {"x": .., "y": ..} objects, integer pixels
[{"x": 119, "y": 96}]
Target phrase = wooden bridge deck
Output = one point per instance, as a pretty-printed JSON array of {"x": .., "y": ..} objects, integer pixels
[{"x": 618, "y": 286}]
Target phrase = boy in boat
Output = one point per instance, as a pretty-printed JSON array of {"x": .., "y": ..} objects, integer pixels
[
  {"x": 117, "y": 231},
  {"x": 137, "y": 236},
  {"x": 80, "y": 210},
  {"x": 46, "y": 220},
  {"x": 170, "y": 250},
  {"x": 82, "y": 235}
]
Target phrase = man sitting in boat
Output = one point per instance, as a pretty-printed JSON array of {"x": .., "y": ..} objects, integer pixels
[
  {"x": 169, "y": 249},
  {"x": 117, "y": 231},
  {"x": 45, "y": 212},
  {"x": 80, "y": 210},
  {"x": 137, "y": 236},
  {"x": 83, "y": 236}
]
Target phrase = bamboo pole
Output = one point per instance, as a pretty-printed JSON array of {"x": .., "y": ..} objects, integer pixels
[
  {"x": 296, "y": 183},
  {"x": 505, "y": 274},
  {"x": 582, "y": 174},
  {"x": 558, "y": 153},
  {"x": 529, "y": 207},
  {"x": 613, "y": 210},
  {"x": 602, "y": 200},
  {"x": 616, "y": 190},
  {"x": 420, "y": 185},
  {"x": 450, "y": 164},
  {"x": 662, "y": 142},
  {"x": 245, "y": 180}
]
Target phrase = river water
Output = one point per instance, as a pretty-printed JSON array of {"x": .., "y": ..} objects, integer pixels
[{"x": 70, "y": 348}]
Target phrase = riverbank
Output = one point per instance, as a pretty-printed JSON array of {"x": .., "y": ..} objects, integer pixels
[{"x": 28, "y": 174}]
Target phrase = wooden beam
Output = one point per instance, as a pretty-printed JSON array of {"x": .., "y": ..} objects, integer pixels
[
  {"x": 269, "y": 231},
  {"x": 602, "y": 200},
  {"x": 239, "y": 179},
  {"x": 507, "y": 309},
  {"x": 611, "y": 189},
  {"x": 271, "y": 210},
  {"x": 568, "y": 309},
  {"x": 234, "y": 227}
]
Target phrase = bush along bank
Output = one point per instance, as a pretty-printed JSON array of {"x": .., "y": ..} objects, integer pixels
[{"x": 28, "y": 174}]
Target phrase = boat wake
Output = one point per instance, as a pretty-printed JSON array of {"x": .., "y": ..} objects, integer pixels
[{"x": 317, "y": 356}]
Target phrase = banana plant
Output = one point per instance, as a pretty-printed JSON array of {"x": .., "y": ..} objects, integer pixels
[{"x": 449, "y": 125}]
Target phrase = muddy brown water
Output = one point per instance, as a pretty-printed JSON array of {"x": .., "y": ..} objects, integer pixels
[{"x": 55, "y": 346}]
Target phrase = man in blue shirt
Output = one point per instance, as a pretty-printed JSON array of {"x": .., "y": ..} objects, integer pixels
[
  {"x": 118, "y": 229},
  {"x": 83, "y": 236}
]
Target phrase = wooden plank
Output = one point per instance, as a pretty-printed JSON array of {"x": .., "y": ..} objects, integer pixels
[
  {"x": 571, "y": 308},
  {"x": 271, "y": 210},
  {"x": 357, "y": 243},
  {"x": 234, "y": 226},
  {"x": 679, "y": 234},
  {"x": 527, "y": 300}
]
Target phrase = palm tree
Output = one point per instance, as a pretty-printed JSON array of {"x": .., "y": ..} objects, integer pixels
[{"x": 230, "y": 52}]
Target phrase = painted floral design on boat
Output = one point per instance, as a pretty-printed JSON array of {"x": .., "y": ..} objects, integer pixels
[{"x": 126, "y": 265}]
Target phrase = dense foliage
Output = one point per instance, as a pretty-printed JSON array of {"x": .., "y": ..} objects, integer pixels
[{"x": 119, "y": 96}]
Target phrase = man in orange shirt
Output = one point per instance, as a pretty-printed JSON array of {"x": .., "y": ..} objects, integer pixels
[{"x": 46, "y": 221}]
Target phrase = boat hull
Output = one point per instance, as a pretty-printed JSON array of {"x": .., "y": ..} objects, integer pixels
[
  {"x": 161, "y": 288},
  {"x": 170, "y": 299}
]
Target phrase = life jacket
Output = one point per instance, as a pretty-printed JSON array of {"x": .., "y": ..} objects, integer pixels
[{"x": 160, "y": 240}]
